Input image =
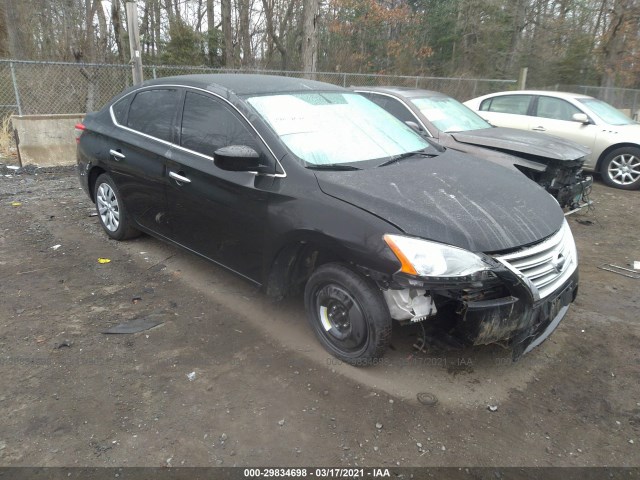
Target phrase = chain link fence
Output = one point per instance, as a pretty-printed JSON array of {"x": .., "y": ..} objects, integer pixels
[{"x": 43, "y": 88}]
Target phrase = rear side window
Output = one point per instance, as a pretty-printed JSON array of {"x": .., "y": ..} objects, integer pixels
[
  {"x": 208, "y": 124},
  {"x": 152, "y": 112},
  {"x": 515, "y": 104},
  {"x": 121, "y": 109}
]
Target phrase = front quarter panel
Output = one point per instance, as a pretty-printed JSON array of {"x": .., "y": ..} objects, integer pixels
[{"x": 300, "y": 213}]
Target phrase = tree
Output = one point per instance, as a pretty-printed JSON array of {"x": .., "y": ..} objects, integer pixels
[
  {"x": 227, "y": 44},
  {"x": 311, "y": 12}
]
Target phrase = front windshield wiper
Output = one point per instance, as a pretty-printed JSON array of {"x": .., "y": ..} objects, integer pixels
[
  {"x": 332, "y": 166},
  {"x": 402, "y": 156}
]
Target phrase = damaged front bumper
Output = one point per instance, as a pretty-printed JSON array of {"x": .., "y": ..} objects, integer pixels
[
  {"x": 518, "y": 303},
  {"x": 501, "y": 311},
  {"x": 516, "y": 320}
]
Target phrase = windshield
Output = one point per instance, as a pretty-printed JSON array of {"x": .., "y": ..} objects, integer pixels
[
  {"x": 449, "y": 115},
  {"x": 606, "y": 112},
  {"x": 333, "y": 128}
]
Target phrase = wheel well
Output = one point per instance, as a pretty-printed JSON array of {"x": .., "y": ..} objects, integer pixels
[
  {"x": 294, "y": 264},
  {"x": 93, "y": 176},
  {"x": 610, "y": 149}
]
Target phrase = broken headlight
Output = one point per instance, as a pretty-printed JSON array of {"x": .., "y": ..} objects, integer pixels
[{"x": 431, "y": 259}]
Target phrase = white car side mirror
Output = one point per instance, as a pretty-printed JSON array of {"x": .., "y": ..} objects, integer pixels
[{"x": 581, "y": 118}]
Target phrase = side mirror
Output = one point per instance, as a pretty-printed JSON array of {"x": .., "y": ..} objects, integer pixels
[
  {"x": 237, "y": 158},
  {"x": 580, "y": 118},
  {"x": 415, "y": 126}
]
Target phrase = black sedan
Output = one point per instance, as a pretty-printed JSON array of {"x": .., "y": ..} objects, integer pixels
[
  {"x": 301, "y": 185},
  {"x": 555, "y": 163}
]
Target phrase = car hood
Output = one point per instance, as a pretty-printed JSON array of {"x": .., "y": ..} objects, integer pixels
[
  {"x": 453, "y": 198},
  {"x": 522, "y": 141}
]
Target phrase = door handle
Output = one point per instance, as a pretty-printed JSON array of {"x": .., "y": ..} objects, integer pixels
[
  {"x": 117, "y": 155},
  {"x": 539, "y": 129},
  {"x": 179, "y": 178}
]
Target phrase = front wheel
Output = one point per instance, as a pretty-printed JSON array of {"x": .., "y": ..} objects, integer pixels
[
  {"x": 621, "y": 168},
  {"x": 348, "y": 314}
]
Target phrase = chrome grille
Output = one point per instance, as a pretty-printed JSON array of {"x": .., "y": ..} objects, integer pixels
[{"x": 546, "y": 265}]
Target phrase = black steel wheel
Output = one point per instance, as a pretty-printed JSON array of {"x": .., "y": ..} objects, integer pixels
[
  {"x": 111, "y": 211},
  {"x": 348, "y": 314}
]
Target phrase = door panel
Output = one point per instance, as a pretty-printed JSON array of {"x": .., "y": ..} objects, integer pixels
[
  {"x": 219, "y": 214},
  {"x": 137, "y": 156},
  {"x": 554, "y": 117},
  {"x": 140, "y": 176}
]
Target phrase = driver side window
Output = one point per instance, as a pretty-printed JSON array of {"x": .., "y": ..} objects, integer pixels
[
  {"x": 208, "y": 124},
  {"x": 556, "y": 108}
]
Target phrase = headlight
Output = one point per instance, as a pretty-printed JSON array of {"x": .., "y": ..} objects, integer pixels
[{"x": 431, "y": 259}]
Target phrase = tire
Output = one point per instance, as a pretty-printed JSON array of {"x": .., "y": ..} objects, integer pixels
[
  {"x": 111, "y": 210},
  {"x": 348, "y": 314},
  {"x": 621, "y": 168}
]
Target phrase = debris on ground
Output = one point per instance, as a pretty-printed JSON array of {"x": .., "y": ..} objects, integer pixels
[
  {"x": 191, "y": 376},
  {"x": 428, "y": 399},
  {"x": 55, "y": 247},
  {"x": 16, "y": 204},
  {"x": 64, "y": 343},
  {"x": 492, "y": 408},
  {"x": 281, "y": 422},
  {"x": 104, "y": 260},
  {"x": 136, "y": 325},
  {"x": 625, "y": 272},
  {"x": 379, "y": 426}
]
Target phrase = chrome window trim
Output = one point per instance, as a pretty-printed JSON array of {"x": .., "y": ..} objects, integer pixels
[
  {"x": 403, "y": 103},
  {"x": 171, "y": 144}
]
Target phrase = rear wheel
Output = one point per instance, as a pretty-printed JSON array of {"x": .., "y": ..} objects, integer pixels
[
  {"x": 621, "y": 168},
  {"x": 348, "y": 314},
  {"x": 111, "y": 211}
]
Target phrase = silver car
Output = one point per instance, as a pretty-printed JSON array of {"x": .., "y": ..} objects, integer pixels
[{"x": 614, "y": 138}]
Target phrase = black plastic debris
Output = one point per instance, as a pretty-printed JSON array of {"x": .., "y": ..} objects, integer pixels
[
  {"x": 134, "y": 326},
  {"x": 64, "y": 343},
  {"x": 584, "y": 222}
]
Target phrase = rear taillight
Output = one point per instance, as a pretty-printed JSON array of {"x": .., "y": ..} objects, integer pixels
[{"x": 79, "y": 129}]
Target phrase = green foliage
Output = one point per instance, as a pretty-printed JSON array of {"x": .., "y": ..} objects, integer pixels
[{"x": 184, "y": 47}]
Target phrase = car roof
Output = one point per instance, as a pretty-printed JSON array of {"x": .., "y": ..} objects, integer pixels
[
  {"x": 549, "y": 93},
  {"x": 406, "y": 92},
  {"x": 246, "y": 84}
]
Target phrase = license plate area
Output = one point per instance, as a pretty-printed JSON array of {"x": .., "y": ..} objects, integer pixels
[{"x": 552, "y": 306}]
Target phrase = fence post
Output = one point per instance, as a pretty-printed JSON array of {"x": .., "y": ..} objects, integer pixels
[
  {"x": 15, "y": 87},
  {"x": 522, "y": 78},
  {"x": 154, "y": 72},
  {"x": 344, "y": 80},
  {"x": 417, "y": 78}
]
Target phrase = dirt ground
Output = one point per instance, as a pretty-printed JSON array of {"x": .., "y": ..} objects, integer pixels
[{"x": 232, "y": 378}]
